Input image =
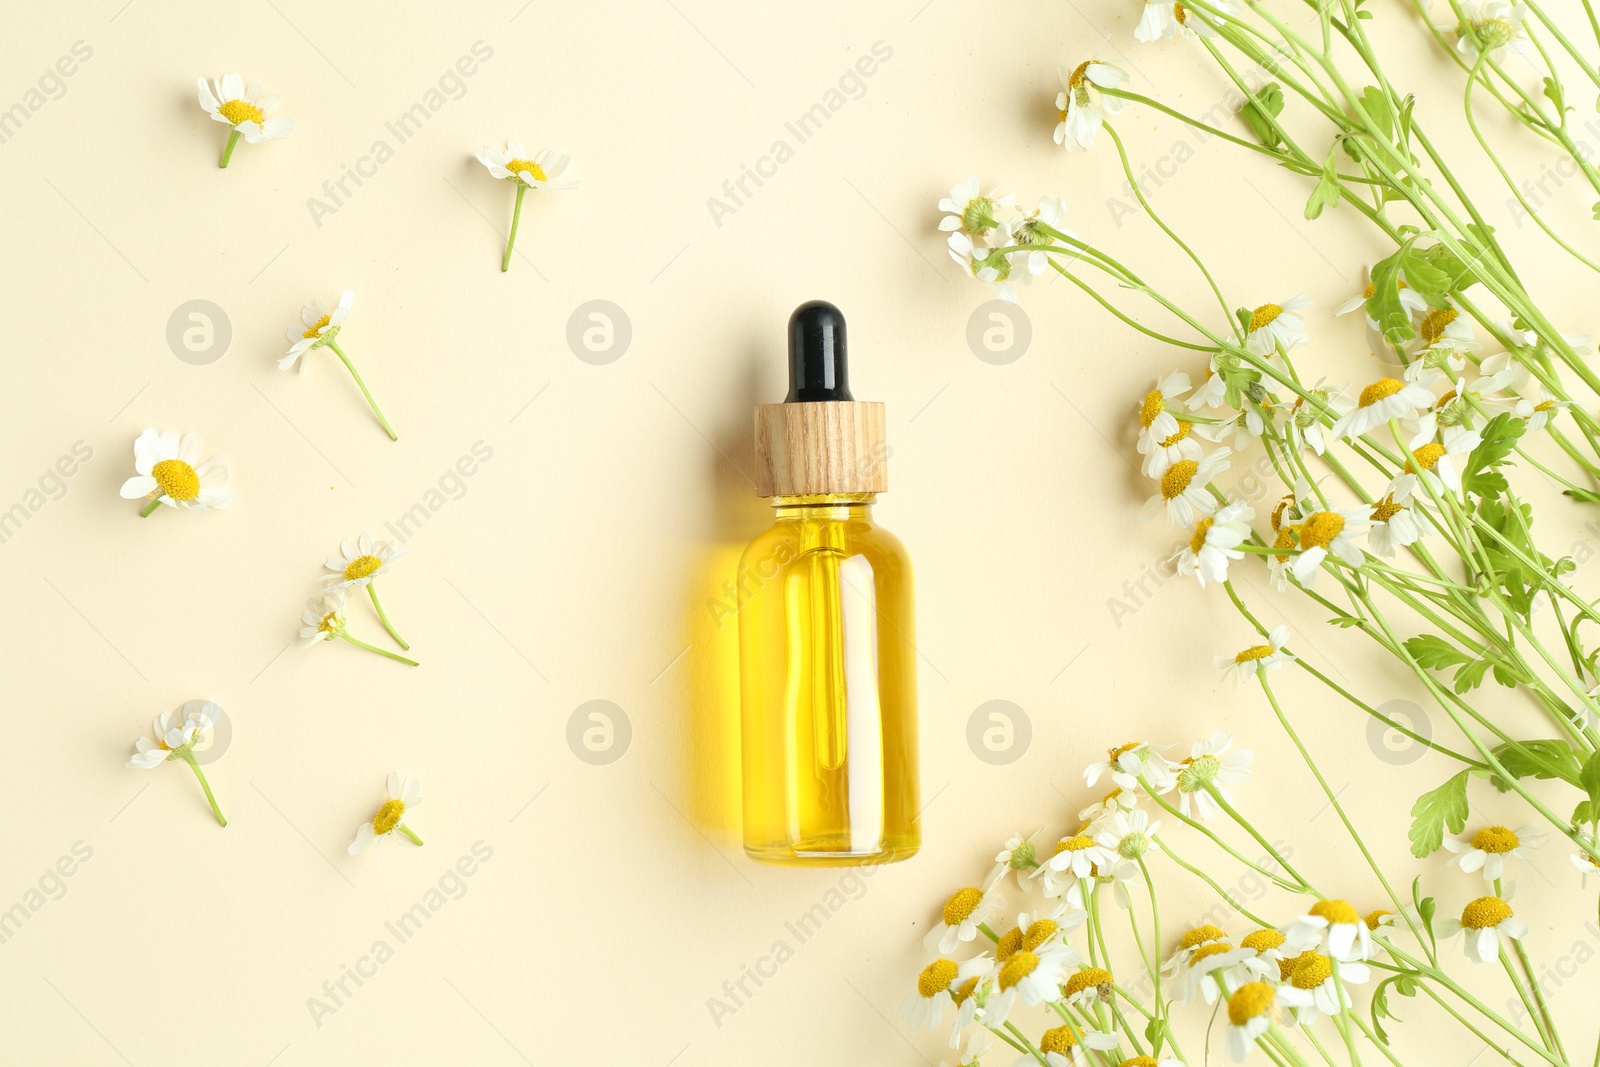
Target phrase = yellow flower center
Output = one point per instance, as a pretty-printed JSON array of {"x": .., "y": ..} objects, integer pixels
[
  {"x": 1058, "y": 1039},
  {"x": 237, "y": 111},
  {"x": 1154, "y": 404},
  {"x": 1074, "y": 844},
  {"x": 1021, "y": 964},
  {"x": 1262, "y": 940},
  {"x": 1313, "y": 969},
  {"x": 1426, "y": 457},
  {"x": 362, "y": 566},
  {"x": 936, "y": 977},
  {"x": 1381, "y": 389},
  {"x": 1039, "y": 931},
  {"x": 1264, "y": 316},
  {"x": 1254, "y": 652},
  {"x": 1283, "y": 542},
  {"x": 388, "y": 816},
  {"x": 177, "y": 479},
  {"x": 1484, "y": 913},
  {"x": 1434, "y": 322},
  {"x": 1548, "y": 405},
  {"x": 1215, "y": 948},
  {"x": 1088, "y": 978},
  {"x": 1201, "y": 528},
  {"x": 1183, "y": 431},
  {"x": 527, "y": 166},
  {"x": 1495, "y": 839},
  {"x": 1140, "y": 1061},
  {"x": 1320, "y": 529},
  {"x": 316, "y": 327},
  {"x": 964, "y": 992},
  {"x": 1250, "y": 1001},
  {"x": 1336, "y": 911},
  {"x": 1178, "y": 477},
  {"x": 1386, "y": 509},
  {"x": 1075, "y": 81},
  {"x": 1009, "y": 943},
  {"x": 1182, "y": 15},
  {"x": 1200, "y": 935},
  {"x": 962, "y": 903},
  {"x": 1375, "y": 918},
  {"x": 1114, "y": 754},
  {"x": 1366, "y": 294}
]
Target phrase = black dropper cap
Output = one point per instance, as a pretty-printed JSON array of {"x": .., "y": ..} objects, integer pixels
[{"x": 817, "y": 366}]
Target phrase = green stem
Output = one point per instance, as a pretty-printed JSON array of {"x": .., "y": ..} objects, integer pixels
[
  {"x": 372, "y": 591},
  {"x": 516, "y": 218},
  {"x": 150, "y": 508},
  {"x": 351, "y": 367},
  {"x": 373, "y": 648},
  {"x": 403, "y": 828},
  {"x": 227, "y": 151},
  {"x": 194, "y": 765}
]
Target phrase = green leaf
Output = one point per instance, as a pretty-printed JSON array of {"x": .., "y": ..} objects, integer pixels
[
  {"x": 1471, "y": 675},
  {"x": 1442, "y": 809},
  {"x": 1384, "y": 307},
  {"x": 1499, "y": 438},
  {"x": 1552, "y": 89},
  {"x": 1423, "y": 274},
  {"x": 1586, "y": 496},
  {"x": 1585, "y": 814},
  {"x": 1258, "y": 113},
  {"x": 1435, "y": 653},
  {"x": 1589, "y": 780},
  {"x": 1376, "y": 106},
  {"x": 1328, "y": 189},
  {"x": 1548, "y": 759}
]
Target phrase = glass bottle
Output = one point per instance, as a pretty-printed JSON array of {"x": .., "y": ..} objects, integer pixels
[{"x": 826, "y": 629}]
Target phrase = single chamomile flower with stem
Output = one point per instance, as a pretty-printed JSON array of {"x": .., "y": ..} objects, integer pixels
[
  {"x": 1384, "y": 399},
  {"x": 176, "y": 733},
  {"x": 1274, "y": 326},
  {"x": 936, "y": 989},
  {"x": 1214, "y": 542},
  {"x": 1484, "y": 922},
  {"x": 244, "y": 109},
  {"x": 1489, "y": 848},
  {"x": 1130, "y": 835},
  {"x": 1349, "y": 938},
  {"x": 405, "y": 793},
  {"x": 1081, "y": 105},
  {"x": 1267, "y": 657},
  {"x": 170, "y": 471},
  {"x": 1163, "y": 20},
  {"x": 1495, "y": 25},
  {"x": 1204, "y": 775},
  {"x": 358, "y": 563},
  {"x": 967, "y": 911},
  {"x": 1182, "y": 490},
  {"x": 1073, "y": 858},
  {"x": 319, "y": 328},
  {"x": 513, "y": 164},
  {"x": 1034, "y": 236},
  {"x": 1319, "y": 985},
  {"x": 973, "y": 212},
  {"x": 1252, "y": 1014},
  {"x": 1018, "y": 856},
  {"x": 324, "y": 620},
  {"x": 1438, "y": 463},
  {"x": 1542, "y": 411},
  {"x": 1127, "y": 764},
  {"x": 989, "y": 265},
  {"x": 1328, "y": 532}
]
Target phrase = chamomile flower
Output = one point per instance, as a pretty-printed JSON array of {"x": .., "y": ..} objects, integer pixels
[
  {"x": 541, "y": 171},
  {"x": 1268, "y": 657},
  {"x": 1118, "y": 799},
  {"x": 1018, "y": 856},
  {"x": 324, "y": 620},
  {"x": 1126, "y": 764},
  {"x": 1325, "y": 532},
  {"x": 1446, "y": 330},
  {"x": 1267, "y": 945},
  {"x": 990, "y": 266},
  {"x": 1312, "y": 989},
  {"x": 169, "y": 471},
  {"x": 1077, "y": 856},
  {"x": 970, "y": 211},
  {"x": 1395, "y": 523},
  {"x": 176, "y": 734},
  {"x": 358, "y": 563},
  {"x": 1156, "y": 420},
  {"x": 1348, "y": 936},
  {"x": 1495, "y": 25},
  {"x": 1251, "y": 1011},
  {"x": 1027, "y": 232},
  {"x": 1211, "y": 967},
  {"x": 1484, "y": 922},
  {"x": 1305, "y": 418},
  {"x": 1384, "y": 399},
  {"x": 1182, "y": 491},
  {"x": 1163, "y": 20},
  {"x": 1031, "y": 977},
  {"x": 1040, "y": 932},
  {"x": 405, "y": 793},
  {"x": 1089, "y": 985},
  {"x": 1064, "y": 1048},
  {"x": 1191, "y": 942},
  {"x": 936, "y": 987},
  {"x": 244, "y": 110},
  {"x": 1129, "y": 835},
  {"x": 977, "y": 1043},
  {"x": 1274, "y": 326},
  {"x": 1489, "y": 848},
  {"x": 1412, "y": 301},
  {"x": 1585, "y": 864},
  {"x": 319, "y": 328},
  {"x": 1210, "y": 767},
  {"x": 1081, "y": 105},
  {"x": 1541, "y": 412},
  {"x": 1438, "y": 464},
  {"x": 966, "y": 910}
]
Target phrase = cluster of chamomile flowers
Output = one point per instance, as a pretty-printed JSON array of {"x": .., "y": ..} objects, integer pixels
[
  {"x": 1187, "y": 437},
  {"x": 1263, "y": 980}
]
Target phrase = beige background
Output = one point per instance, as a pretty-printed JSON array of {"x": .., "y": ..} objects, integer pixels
[{"x": 579, "y": 562}]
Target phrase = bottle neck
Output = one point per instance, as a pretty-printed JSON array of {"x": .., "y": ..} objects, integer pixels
[{"x": 824, "y": 506}]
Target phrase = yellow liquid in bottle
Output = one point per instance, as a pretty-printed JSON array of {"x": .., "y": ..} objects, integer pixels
[{"x": 828, "y": 688}]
